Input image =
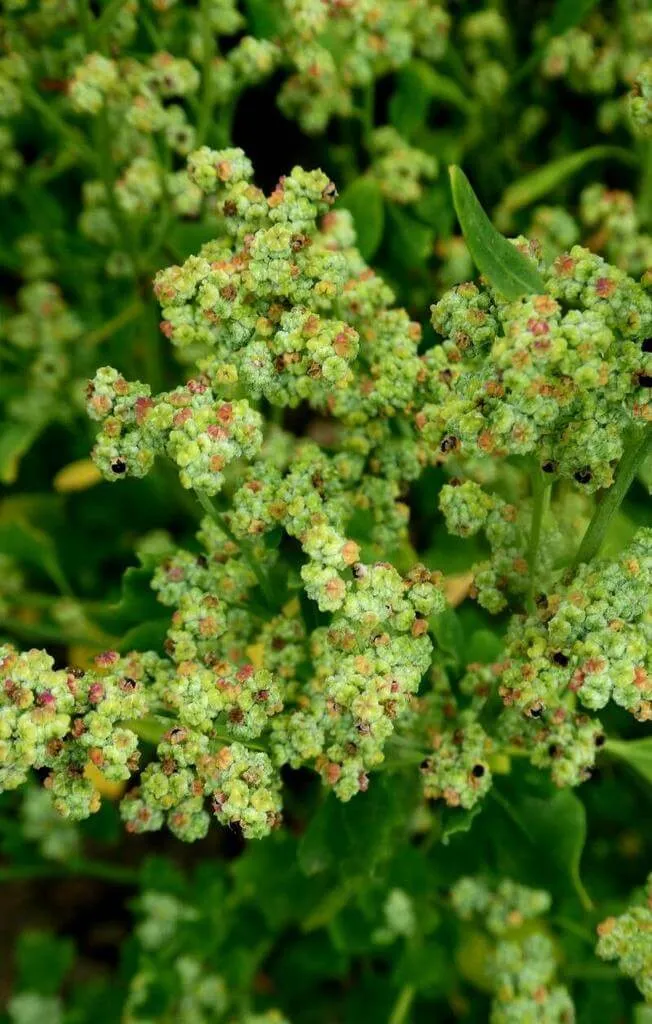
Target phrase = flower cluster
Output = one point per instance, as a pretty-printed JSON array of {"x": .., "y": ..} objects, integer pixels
[
  {"x": 628, "y": 939},
  {"x": 521, "y": 966},
  {"x": 190, "y": 425},
  {"x": 400, "y": 169},
  {"x": 588, "y": 638},
  {"x": 601, "y": 59},
  {"x": 562, "y": 374}
]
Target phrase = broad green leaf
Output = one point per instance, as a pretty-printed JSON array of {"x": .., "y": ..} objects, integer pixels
[
  {"x": 137, "y": 603},
  {"x": 42, "y": 961},
  {"x": 15, "y": 440},
  {"x": 484, "y": 646},
  {"x": 557, "y": 827},
  {"x": 22, "y": 539},
  {"x": 363, "y": 199},
  {"x": 507, "y": 269},
  {"x": 146, "y": 636},
  {"x": 567, "y": 14},
  {"x": 636, "y": 753},
  {"x": 530, "y": 188},
  {"x": 455, "y": 820}
]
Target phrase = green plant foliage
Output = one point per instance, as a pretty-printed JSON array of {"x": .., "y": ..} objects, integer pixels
[{"x": 325, "y": 544}]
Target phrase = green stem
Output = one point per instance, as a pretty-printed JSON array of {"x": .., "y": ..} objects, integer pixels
[
  {"x": 638, "y": 443},
  {"x": 217, "y": 517},
  {"x": 401, "y": 1008},
  {"x": 122, "y": 318},
  {"x": 105, "y": 871},
  {"x": 57, "y": 123},
  {"x": 540, "y": 501},
  {"x": 209, "y": 50},
  {"x": 85, "y": 23},
  {"x": 107, "y": 172}
]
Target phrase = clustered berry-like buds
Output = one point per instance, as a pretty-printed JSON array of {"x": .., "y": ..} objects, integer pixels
[
  {"x": 521, "y": 966},
  {"x": 62, "y": 721},
  {"x": 628, "y": 939},
  {"x": 640, "y": 102},
  {"x": 561, "y": 374},
  {"x": 197, "y": 431},
  {"x": 456, "y": 770},
  {"x": 398, "y": 167},
  {"x": 589, "y": 638}
]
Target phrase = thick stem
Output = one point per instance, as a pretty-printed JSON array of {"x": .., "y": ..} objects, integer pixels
[
  {"x": 217, "y": 517},
  {"x": 540, "y": 502},
  {"x": 638, "y": 443}
]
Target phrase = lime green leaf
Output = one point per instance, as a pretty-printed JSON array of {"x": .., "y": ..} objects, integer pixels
[
  {"x": 530, "y": 188},
  {"x": 364, "y": 201},
  {"x": 567, "y": 14},
  {"x": 507, "y": 269},
  {"x": 636, "y": 753}
]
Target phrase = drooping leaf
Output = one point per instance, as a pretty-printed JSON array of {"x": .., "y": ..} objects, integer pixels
[
  {"x": 537, "y": 184},
  {"x": 507, "y": 269},
  {"x": 364, "y": 201},
  {"x": 636, "y": 753}
]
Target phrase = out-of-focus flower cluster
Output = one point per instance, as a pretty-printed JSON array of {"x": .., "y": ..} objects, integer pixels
[{"x": 519, "y": 962}]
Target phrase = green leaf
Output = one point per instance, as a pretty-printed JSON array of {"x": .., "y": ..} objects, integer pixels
[
  {"x": 42, "y": 961},
  {"x": 417, "y": 86},
  {"x": 448, "y": 633},
  {"x": 484, "y": 646},
  {"x": 146, "y": 636},
  {"x": 22, "y": 539},
  {"x": 507, "y": 269},
  {"x": 456, "y": 820},
  {"x": 364, "y": 201},
  {"x": 636, "y": 753},
  {"x": 557, "y": 827},
  {"x": 567, "y": 14},
  {"x": 137, "y": 603},
  {"x": 410, "y": 242},
  {"x": 530, "y": 188},
  {"x": 16, "y": 439}
]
